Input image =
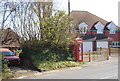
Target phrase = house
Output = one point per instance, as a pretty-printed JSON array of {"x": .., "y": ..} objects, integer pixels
[
  {"x": 82, "y": 21},
  {"x": 95, "y": 31},
  {"x": 110, "y": 30},
  {"x": 101, "y": 35},
  {"x": 93, "y": 41},
  {"x": 10, "y": 39},
  {"x": 95, "y": 37}
]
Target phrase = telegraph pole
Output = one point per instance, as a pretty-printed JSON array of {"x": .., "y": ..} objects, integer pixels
[{"x": 68, "y": 7}]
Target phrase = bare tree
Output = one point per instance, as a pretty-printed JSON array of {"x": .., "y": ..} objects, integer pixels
[
  {"x": 25, "y": 15},
  {"x": 5, "y": 12},
  {"x": 26, "y": 18}
]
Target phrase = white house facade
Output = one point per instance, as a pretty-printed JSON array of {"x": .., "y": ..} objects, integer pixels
[
  {"x": 102, "y": 44},
  {"x": 87, "y": 45},
  {"x": 93, "y": 41}
]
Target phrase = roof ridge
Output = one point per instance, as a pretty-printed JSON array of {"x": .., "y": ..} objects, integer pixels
[{"x": 79, "y": 11}]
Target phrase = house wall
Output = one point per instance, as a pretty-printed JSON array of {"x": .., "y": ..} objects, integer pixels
[
  {"x": 116, "y": 36},
  {"x": 102, "y": 44},
  {"x": 88, "y": 32},
  {"x": 87, "y": 45},
  {"x": 106, "y": 32},
  {"x": 91, "y": 32}
]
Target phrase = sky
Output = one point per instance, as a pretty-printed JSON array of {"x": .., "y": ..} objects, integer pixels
[{"x": 106, "y": 9}]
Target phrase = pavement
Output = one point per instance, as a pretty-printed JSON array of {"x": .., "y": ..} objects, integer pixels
[{"x": 92, "y": 70}]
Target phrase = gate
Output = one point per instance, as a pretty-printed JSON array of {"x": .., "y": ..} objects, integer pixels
[{"x": 77, "y": 49}]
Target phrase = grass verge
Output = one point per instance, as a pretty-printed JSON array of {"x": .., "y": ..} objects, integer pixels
[
  {"x": 57, "y": 65},
  {"x": 7, "y": 75},
  {"x": 6, "y": 72}
]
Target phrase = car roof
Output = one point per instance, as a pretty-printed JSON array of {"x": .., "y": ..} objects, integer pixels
[{"x": 4, "y": 49}]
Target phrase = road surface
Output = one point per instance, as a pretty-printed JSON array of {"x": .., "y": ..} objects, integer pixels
[{"x": 93, "y": 70}]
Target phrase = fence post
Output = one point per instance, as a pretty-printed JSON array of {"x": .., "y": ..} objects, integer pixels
[
  {"x": 100, "y": 50},
  {"x": 109, "y": 51},
  {"x": 97, "y": 54},
  {"x": 93, "y": 55},
  {"x": 89, "y": 56},
  {"x": 107, "y": 54}
]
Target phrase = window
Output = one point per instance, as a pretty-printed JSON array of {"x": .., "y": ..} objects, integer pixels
[
  {"x": 99, "y": 26},
  {"x": 99, "y": 31},
  {"x": 112, "y": 27},
  {"x": 112, "y": 31},
  {"x": 119, "y": 43},
  {"x": 116, "y": 43},
  {"x": 113, "y": 44},
  {"x": 8, "y": 53}
]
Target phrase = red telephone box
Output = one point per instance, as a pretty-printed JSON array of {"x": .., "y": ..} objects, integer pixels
[{"x": 77, "y": 49}]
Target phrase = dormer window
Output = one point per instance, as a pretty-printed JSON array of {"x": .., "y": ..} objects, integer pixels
[
  {"x": 112, "y": 31},
  {"x": 83, "y": 27},
  {"x": 99, "y": 31},
  {"x": 99, "y": 26},
  {"x": 112, "y": 27}
]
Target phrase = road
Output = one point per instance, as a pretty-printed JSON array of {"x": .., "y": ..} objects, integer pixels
[{"x": 93, "y": 70}]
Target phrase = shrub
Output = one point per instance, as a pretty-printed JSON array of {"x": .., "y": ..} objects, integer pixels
[
  {"x": 6, "y": 72},
  {"x": 39, "y": 51}
]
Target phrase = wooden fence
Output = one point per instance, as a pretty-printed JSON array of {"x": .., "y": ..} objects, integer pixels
[
  {"x": 114, "y": 51},
  {"x": 100, "y": 55}
]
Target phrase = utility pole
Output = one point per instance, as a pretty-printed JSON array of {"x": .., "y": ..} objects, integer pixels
[{"x": 68, "y": 7}]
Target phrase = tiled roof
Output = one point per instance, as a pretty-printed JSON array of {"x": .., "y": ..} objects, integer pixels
[
  {"x": 87, "y": 17},
  {"x": 106, "y": 28},
  {"x": 93, "y": 27},
  {"x": 107, "y": 24},
  {"x": 96, "y": 37},
  {"x": 10, "y": 38}
]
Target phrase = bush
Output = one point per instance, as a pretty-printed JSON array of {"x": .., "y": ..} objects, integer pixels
[
  {"x": 6, "y": 72},
  {"x": 40, "y": 52},
  {"x": 47, "y": 56},
  {"x": 53, "y": 43}
]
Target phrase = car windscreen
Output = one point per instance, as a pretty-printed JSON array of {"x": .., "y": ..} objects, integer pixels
[{"x": 8, "y": 53}]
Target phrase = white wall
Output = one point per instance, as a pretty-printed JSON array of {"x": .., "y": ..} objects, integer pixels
[
  {"x": 87, "y": 46},
  {"x": 102, "y": 44}
]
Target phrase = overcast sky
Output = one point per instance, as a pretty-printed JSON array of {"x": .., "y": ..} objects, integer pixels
[{"x": 106, "y": 9}]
